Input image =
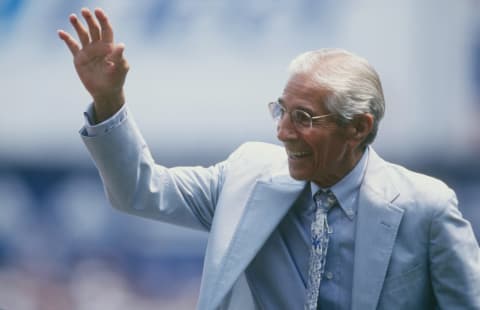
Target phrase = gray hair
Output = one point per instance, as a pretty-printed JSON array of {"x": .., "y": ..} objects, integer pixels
[{"x": 354, "y": 85}]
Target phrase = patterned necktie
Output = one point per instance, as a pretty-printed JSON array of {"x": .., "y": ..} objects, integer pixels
[{"x": 318, "y": 251}]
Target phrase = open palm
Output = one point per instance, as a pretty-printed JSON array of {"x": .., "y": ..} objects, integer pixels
[{"x": 99, "y": 62}]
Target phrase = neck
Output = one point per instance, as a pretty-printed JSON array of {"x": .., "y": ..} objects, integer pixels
[{"x": 347, "y": 164}]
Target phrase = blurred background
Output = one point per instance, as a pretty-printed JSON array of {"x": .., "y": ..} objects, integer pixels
[{"x": 201, "y": 75}]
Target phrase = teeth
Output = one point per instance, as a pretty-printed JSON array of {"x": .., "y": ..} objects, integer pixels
[{"x": 297, "y": 154}]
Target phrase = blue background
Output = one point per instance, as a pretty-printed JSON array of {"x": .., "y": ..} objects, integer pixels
[{"x": 201, "y": 75}]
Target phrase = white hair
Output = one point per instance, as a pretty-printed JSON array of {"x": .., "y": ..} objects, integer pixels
[{"x": 354, "y": 85}]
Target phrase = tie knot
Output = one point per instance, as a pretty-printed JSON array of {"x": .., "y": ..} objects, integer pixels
[{"x": 325, "y": 199}]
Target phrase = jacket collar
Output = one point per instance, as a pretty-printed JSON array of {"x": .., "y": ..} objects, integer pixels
[{"x": 232, "y": 248}]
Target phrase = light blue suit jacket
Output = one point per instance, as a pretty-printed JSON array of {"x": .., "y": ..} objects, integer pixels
[{"x": 413, "y": 249}]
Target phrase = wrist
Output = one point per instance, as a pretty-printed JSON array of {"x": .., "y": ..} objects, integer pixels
[{"x": 106, "y": 106}]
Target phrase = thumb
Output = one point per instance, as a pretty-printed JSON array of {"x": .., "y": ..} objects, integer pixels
[
  {"x": 116, "y": 61},
  {"x": 117, "y": 53}
]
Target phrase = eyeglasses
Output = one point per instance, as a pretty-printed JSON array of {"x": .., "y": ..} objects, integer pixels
[{"x": 301, "y": 119}]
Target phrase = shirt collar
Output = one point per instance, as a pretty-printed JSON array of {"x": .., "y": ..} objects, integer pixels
[{"x": 347, "y": 188}]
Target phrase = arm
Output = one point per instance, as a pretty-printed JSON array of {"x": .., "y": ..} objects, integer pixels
[
  {"x": 454, "y": 260},
  {"x": 135, "y": 184},
  {"x": 132, "y": 181}
]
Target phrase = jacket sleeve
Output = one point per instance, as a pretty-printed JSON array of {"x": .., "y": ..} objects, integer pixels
[
  {"x": 133, "y": 183},
  {"x": 454, "y": 259}
]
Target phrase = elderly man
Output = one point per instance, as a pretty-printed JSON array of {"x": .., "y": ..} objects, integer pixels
[{"x": 322, "y": 223}]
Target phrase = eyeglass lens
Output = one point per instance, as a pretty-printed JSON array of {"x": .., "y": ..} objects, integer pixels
[{"x": 300, "y": 118}]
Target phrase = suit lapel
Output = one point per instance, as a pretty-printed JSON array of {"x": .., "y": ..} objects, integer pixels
[
  {"x": 268, "y": 203},
  {"x": 377, "y": 225}
]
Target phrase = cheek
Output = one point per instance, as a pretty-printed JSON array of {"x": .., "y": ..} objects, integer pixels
[
  {"x": 321, "y": 151},
  {"x": 327, "y": 153}
]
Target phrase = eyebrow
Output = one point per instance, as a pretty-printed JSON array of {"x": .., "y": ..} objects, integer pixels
[{"x": 300, "y": 107}]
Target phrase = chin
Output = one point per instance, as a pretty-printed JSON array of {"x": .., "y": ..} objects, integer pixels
[{"x": 298, "y": 175}]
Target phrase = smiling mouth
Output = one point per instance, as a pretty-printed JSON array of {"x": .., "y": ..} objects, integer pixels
[{"x": 297, "y": 155}]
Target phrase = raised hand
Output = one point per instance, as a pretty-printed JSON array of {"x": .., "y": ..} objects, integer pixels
[{"x": 99, "y": 61}]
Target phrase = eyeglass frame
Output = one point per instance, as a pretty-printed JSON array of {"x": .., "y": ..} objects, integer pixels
[{"x": 294, "y": 120}]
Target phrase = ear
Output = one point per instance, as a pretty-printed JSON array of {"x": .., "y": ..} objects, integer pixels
[{"x": 360, "y": 127}]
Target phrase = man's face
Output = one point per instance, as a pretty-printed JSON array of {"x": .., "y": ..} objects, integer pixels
[{"x": 323, "y": 153}]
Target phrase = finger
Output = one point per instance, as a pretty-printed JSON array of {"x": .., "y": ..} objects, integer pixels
[
  {"x": 80, "y": 29},
  {"x": 116, "y": 60},
  {"x": 93, "y": 25},
  {"x": 107, "y": 31},
  {"x": 117, "y": 54},
  {"x": 69, "y": 41}
]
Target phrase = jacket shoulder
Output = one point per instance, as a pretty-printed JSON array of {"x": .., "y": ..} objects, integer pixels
[
  {"x": 259, "y": 152},
  {"x": 258, "y": 158},
  {"x": 420, "y": 187}
]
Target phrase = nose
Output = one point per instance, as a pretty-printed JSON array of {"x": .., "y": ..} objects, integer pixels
[{"x": 286, "y": 129}]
